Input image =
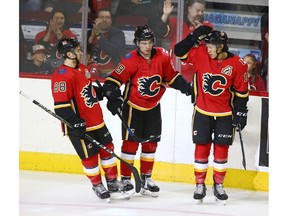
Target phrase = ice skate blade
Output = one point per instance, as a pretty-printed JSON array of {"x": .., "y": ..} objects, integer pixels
[
  {"x": 122, "y": 195},
  {"x": 108, "y": 200},
  {"x": 221, "y": 202},
  {"x": 148, "y": 193},
  {"x": 198, "y": 201}
]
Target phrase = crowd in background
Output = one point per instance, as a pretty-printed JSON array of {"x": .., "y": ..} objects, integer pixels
[{"x": 109, "y": 39}]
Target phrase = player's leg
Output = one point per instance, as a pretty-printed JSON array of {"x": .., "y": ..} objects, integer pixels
[
  {"x": 223, "y": 139},
  {"x": 88, "y": 154},
  {"x": 152, "y": 126},
  {"x": 202, "y": 137}
]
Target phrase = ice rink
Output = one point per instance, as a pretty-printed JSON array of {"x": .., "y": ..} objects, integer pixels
[{"x": 59, "y": 194}]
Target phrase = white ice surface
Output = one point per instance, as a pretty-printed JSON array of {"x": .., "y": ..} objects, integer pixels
[{"x": 58, "y": 194}]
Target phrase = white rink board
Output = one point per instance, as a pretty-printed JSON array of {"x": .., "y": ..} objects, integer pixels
[{"x": 41, "y": 132}]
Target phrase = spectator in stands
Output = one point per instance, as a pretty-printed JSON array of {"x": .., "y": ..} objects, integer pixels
[
  {"x": 56, "y": 30},
  {"x": 255, "y": 81},
  {"x": 193, "y": 18},
  {"x": 151, "y": 9},
  {"x": 38, "y": 63},
  {"x": 108, "y": 43}
]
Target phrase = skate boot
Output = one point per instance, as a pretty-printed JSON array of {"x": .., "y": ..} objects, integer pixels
[
  {"x": 101, "y": 192},
  {"x": 200, "y": 193},
  {"x": 149, "y": 187},
  {"x": 115, "y": 186},
  {"x": 219, "y": 193},
  {"x": 118, "y": 190},
  {"x": 127, "y": 183}
]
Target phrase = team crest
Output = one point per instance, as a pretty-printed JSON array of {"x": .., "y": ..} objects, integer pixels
[
  {"x": 213, "y": 84},
  {"x": 149, "y": 86},
  {"x": 89, "y": 96}
]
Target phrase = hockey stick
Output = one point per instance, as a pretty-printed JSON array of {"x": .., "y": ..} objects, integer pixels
[
  {"x": 133, "y": 169},
  {"x": 137, "y": 139},
  {"x": 242, "y": 146}
]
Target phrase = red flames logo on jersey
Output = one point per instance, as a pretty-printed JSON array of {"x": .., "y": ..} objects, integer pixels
[
  {"x": 149, "y": 86},
  {"x": 212, "y": 84},
  {"x": 89, "y": 96}
]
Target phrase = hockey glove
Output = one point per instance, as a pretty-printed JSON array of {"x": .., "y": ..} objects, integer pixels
[
  {"x": 78, "y": 127},
  {"x": 113, "y": 105},
  {"x": 239, "y": 120},
  {"x": 189, "y": 90},
  {"x": 199, "y": 33},
  {"x": 111, "y": 91}
]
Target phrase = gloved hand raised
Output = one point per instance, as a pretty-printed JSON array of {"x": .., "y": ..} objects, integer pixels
[
  {"x": 200, "y": 33},
  {"x": 78, "y": 127},
  {"x": 239, "y": 119}
]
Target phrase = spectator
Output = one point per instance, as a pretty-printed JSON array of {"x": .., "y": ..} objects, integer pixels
[
  {"x": 193, "y": 17},
  {"x": 38, "y": 63},
  {"x": 56, "y": 30},
  {"x": 255, "y": 81},
  {"x": 144, "y": 72},
  {"x": 108, "y": 43}
]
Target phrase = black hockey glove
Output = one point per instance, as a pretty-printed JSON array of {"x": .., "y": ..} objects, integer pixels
[
  {"x": 189, "y": 90},
  {"x": 78, "y": 127},
  {"x": 111, "y": 91},
  {"x": 239, "y": 119},
  {"x": 199, "y": 33},
  {"x": 113, "y": 105}
]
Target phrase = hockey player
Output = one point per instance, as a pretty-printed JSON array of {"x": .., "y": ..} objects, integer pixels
[
  {"x": 220, "y": 102},
  {"x": 76, "y": 100},
  {"x": 145, "y": 73}
]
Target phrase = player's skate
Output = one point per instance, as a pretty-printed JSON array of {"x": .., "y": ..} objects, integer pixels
[
  {"x": 118, "y": 190},
  {"x": 101, "y": 192},
  {"x": 149, "y": 188},
  {"x": 200, "y": 193},
  {"x": 127, "y": 183},
  {"x": 219, "y": 193}
]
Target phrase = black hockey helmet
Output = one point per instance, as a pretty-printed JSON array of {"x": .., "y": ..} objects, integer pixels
[
  {"x": 143, "y": 33},
  {"x": 67, "y": 44},
  {"x": 217, "y": 37}
]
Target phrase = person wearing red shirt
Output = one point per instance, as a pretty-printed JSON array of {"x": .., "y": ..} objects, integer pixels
[
  {"x": 76, "y": 100},
  {"x": 49, "y": 38},
  {"x": 256, "y": 83},
  {"x": 220, "y": 103},
  {"x": 192, "y": 19},
  {"x": 145, "y": 73}
]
